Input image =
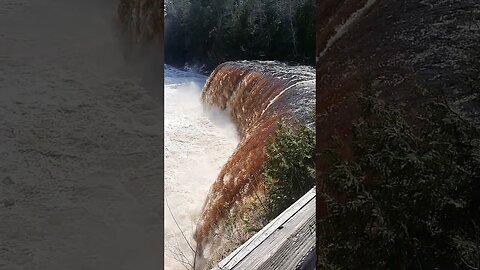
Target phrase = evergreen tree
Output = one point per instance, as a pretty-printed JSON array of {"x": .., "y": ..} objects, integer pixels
[{"x": 213, "y": 31}]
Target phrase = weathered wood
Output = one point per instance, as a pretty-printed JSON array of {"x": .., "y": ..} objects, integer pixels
[{"x": 287, "y": 242}]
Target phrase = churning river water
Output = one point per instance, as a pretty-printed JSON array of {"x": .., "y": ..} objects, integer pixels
[
  {"x": 81, "y": 136},
  {"x": 198, "y": 142}
]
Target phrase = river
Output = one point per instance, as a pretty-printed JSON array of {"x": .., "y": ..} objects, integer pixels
[
  {"x": 81, "y": 136},
  {"x": 198, "y": 142}
]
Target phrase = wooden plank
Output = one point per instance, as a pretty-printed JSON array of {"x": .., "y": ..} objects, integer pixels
[
  {"x": 230, "y": 261},
  {"x": 287, "y": 246},
  {"x": 285, "y": 243}
]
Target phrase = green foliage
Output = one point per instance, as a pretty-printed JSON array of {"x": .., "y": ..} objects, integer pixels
[
  {"x": 410, "y": 198},
  {"x": 290, "y": 167},
  {"x": 213, "y": 31}
]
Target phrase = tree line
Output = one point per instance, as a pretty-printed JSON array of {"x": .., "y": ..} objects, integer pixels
[{"x": 209, "y": 32}]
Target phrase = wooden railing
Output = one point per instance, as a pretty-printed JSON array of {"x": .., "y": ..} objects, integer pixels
[{"x": 287, "y": 242}]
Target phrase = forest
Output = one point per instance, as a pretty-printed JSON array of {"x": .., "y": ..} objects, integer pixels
[{"x": 209, "y": 32}]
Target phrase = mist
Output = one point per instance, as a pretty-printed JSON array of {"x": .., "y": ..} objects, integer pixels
[{"x": 198, "y": 142}]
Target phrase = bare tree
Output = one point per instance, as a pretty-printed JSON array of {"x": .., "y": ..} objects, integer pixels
[{"x": 178, "y": 253}]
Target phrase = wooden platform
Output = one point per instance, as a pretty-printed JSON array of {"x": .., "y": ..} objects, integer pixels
[{"x": 287, "y": 242}]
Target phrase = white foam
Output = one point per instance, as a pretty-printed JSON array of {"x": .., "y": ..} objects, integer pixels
[{"x": 198, "y": 142}]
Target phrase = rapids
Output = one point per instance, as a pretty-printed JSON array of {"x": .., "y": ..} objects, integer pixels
[{"x": 198, "y": 142}]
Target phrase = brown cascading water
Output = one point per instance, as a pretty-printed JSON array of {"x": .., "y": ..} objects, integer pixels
[
  {"x": 396, "y": 47},
  {"x": 142, "y": 19},
  {"x": 257, "y": 95},
  {"x": 399, "y": 50}
]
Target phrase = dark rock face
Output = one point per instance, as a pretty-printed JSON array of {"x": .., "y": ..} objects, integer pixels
[
  {"x": 257, "y": 95},
  {"x": 399, "y": 48}
]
